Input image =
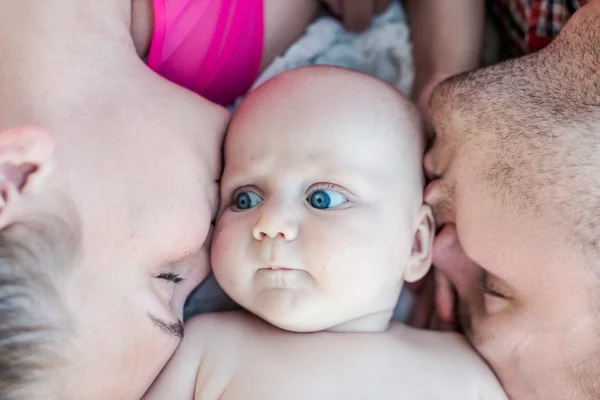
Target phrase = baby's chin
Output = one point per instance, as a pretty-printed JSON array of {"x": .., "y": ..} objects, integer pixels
[{"x": 291, "y": 310}]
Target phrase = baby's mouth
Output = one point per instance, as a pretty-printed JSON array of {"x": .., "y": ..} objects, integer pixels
[{"x": 278, "y": 268}]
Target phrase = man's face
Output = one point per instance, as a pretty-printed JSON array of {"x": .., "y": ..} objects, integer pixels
[{"x": 525, "y": 292}]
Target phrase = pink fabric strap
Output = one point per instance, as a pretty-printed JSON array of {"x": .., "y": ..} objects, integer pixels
[{"x": 213, "y": 47}]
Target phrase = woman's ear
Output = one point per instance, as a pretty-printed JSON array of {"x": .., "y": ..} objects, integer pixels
[
  {"x": 421, "y": 254},
  {"x": 25, "y": 153}
]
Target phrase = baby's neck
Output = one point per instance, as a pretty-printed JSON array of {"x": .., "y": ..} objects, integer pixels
[{"x": 376, "y": 322}]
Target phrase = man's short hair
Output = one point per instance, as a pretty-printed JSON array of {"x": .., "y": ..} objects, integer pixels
[{"x": 541, "y": 114}]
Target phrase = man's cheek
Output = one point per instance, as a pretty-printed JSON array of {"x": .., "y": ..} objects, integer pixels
[{"x": 504, "y": 355}]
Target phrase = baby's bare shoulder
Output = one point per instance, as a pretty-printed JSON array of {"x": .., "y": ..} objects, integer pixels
[
  {"x": 232, "y": 326},
  {"x": 217, "y": 323},
  {"x": 448, "y": 360},
  {"x": 204, "y": 362}
]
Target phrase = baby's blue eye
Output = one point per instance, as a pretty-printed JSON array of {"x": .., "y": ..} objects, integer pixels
[
  {"x": 247, "y": 200},
  {"x": 322, "y": 199}
]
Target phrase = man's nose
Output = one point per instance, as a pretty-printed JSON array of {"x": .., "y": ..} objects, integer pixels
[{"x": 276, "y": 220}]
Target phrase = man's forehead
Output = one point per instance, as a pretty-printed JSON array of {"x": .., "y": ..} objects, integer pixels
[
  {"x": 450, "y": 113},
  {"x": 482, "y": 111},
  {"x": 464, "y": 100}
]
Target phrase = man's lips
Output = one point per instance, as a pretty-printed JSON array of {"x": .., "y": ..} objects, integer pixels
[{"x": 430, "y": 189}]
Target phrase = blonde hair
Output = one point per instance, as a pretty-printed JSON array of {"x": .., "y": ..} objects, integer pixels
[{"x": 34, "y": 323}]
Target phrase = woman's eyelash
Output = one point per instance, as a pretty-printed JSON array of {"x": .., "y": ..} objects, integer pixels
[{"x": 171, "y": 277}]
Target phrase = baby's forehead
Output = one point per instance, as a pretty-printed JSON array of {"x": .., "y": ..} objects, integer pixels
[
  {"x": 363, "y": 148},
  {"x": 326, "y": 115},
  {"x": 302, "y": 122}
]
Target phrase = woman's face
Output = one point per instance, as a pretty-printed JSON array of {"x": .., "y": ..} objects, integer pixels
[{"x": 143, "y": 182}]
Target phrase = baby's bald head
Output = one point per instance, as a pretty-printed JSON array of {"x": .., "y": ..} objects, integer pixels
[
  {"x": 327, "y": 109},
  {"x": 323, "y": 175}
]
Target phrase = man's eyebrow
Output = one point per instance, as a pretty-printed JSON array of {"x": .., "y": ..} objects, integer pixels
[{"x": 173, "y": 329}]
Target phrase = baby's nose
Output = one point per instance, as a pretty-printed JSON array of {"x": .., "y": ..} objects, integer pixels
[{"x": 275, "y": 221}]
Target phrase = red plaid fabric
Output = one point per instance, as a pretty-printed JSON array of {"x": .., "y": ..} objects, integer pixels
[{"x": 530, "y": 25}]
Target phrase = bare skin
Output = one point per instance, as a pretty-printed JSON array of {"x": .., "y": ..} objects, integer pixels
[
  {"x": 332, "y": 269},
  {"x": 525, "y": 272},
  {"x": 235, "y": 356},
  {"x": 128, "y": 159}
]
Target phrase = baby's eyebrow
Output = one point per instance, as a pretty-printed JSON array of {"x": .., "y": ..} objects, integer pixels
[
  {"x": 353, "y": 178},
  {"x": 174, "y": 328},
  {"x": 239, "y": 173}
]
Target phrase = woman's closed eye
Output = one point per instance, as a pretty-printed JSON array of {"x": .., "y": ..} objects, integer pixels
[
  {"x": 167, "y": 285},
  {"x": 171, "y": 277}
]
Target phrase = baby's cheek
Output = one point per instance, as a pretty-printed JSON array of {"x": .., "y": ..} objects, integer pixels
[
  {"x": 229, "y": 254},
  {"x": 369, "y": 265},
  {"x": 220, "y": 242},
  {"x": 223, "y": 236}
]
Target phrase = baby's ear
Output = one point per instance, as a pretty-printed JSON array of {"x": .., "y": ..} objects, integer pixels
[
  {"x": 421, "y": 255},
  {"x": 25, "y": 152}
]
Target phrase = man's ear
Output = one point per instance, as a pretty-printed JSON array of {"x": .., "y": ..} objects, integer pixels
[
  {"x": 422, "y": 251},
  {"x": 25, "y": 153}
]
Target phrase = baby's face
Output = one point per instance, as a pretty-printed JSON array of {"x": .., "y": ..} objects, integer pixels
[{"x": 319, "y": 210}]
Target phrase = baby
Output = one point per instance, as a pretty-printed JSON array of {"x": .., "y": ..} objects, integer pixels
[{"x": 322, "y": 220}]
